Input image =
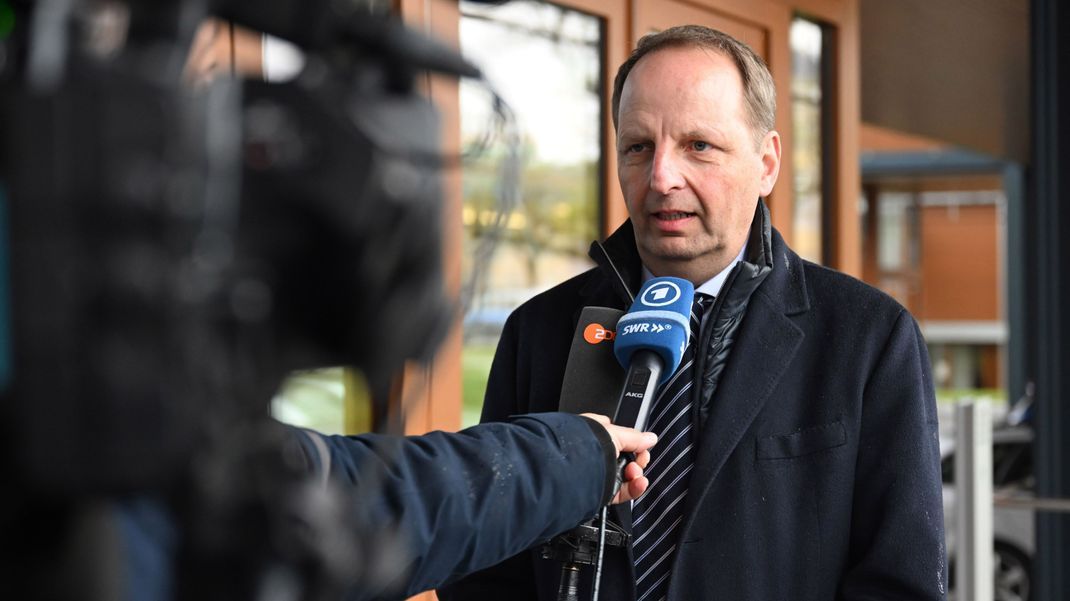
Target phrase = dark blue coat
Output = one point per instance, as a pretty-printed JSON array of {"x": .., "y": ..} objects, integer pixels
[
  {"x": 423, "y": 510},
  {"x": 817, "y": 474},
  {"x": 460, "y": 502}
]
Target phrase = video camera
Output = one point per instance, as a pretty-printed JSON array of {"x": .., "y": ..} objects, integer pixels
[{"x": 172, "y": 254}]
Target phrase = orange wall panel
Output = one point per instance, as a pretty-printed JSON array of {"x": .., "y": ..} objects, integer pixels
[
  {"x": 873, "y": 138},
  {"x": 960, "y": 263}
]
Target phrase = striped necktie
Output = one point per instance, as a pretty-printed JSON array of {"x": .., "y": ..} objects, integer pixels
[{"x": 658, "y": 514}]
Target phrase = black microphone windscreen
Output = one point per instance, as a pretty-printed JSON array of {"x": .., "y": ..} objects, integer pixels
[{"x": 593, "y": 375}]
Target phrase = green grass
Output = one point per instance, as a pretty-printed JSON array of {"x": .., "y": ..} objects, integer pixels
[
  {"x": 995, "y": 396},
  {"x": 475, "y": 365}
]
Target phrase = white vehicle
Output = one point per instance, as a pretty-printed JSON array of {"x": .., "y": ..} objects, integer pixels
[{"x": 1012, "y": 528}]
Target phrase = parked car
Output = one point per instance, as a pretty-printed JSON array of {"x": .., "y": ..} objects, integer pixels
[{"x": 1013, "y": 528}]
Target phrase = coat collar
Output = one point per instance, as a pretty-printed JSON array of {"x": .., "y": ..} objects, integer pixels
[
  {"x": 618, "y": 260},
  {"x": 786, "y": 285}
]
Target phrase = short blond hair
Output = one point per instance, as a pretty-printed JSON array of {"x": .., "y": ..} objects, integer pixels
[{"x": 759, "y": 91}]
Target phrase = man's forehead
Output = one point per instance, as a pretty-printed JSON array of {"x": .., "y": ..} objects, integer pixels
[
  {"x": 691, "y": 84},
  {"x": 683, "y": 71},
  {"x": 687, "y": 58},
  {"x": 641, "y": 123}
]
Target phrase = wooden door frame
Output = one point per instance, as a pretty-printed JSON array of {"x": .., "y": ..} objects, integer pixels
[
  {"x": 615, "y": 15},
  {"x": 430, "y": 395},
  {"x": 842, "y": 18}
]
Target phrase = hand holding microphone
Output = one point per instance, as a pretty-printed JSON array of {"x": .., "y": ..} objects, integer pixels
[
  {"x": 648, "y": 342},
  {"x": 629, "y": 441},
  {"x": 641, "y": 349}
]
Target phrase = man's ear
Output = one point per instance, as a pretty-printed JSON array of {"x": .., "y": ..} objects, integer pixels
[{"x": 770, "y": 152}]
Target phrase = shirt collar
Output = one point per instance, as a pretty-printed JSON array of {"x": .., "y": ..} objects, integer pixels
[{"x": 713, "y": 285}]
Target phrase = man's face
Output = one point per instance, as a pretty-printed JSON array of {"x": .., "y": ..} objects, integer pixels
[{"x": 688, "y": 165}]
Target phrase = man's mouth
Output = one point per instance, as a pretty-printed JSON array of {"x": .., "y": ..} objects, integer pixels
[{"x": 672, "y": 216}]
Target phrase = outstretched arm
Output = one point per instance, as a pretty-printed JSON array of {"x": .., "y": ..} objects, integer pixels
[{"x": 467, "y": 500}]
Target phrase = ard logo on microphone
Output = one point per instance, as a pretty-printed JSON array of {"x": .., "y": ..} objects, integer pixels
[
  {"x": 659, "y": 295},
  {"x": 596, "y": 333}
]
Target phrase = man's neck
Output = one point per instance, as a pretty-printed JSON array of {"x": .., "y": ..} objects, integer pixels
[{"x": 706, "y": 279}]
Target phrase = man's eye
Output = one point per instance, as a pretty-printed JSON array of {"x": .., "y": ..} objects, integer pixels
[
  {"x": 700, "y": 145},
  {"x": 634, "y": 148}
]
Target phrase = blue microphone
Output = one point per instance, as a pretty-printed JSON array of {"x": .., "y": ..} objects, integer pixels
[{"x": 650, "y": 342}]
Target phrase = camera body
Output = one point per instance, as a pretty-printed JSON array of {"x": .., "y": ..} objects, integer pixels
[{"x": 173, "y": 254}]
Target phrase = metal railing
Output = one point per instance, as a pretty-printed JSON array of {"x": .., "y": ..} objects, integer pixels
[{"x": 1015, "y": 501}]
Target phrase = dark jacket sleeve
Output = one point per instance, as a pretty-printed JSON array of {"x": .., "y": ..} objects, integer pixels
[
  {"x": 507, "y": 394},
  {"x": 897, "y": 534},
  {"x": 463, "y": 501}
]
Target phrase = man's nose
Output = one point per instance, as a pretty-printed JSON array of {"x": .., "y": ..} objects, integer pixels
[{"x": 665, "y": 174}]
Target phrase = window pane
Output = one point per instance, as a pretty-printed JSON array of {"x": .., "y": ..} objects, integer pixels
[
  {"x": 807, "y": 119},
  {"x": 312, "y": 399},
  {"x": 546, "y": 62},
  {"x": 894, "y": 232},
  {"x": 332, "y": 400}
]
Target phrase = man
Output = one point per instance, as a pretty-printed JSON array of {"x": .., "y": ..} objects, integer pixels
[{"x": 799, "y": 447}]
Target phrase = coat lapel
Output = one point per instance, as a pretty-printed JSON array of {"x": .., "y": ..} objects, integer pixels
[{"x": 767, "y": 343}]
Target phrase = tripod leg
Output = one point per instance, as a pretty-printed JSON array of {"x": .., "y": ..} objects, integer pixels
[{"x": 569, "y": 589}]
